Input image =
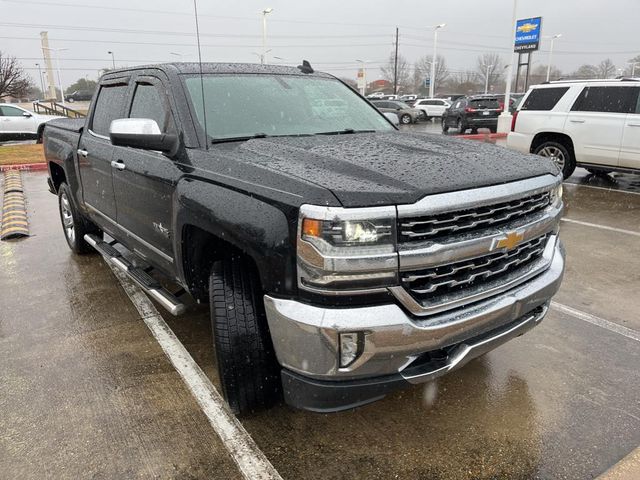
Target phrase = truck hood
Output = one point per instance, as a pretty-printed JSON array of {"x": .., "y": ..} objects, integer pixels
[{"x": 390, "y": 168}]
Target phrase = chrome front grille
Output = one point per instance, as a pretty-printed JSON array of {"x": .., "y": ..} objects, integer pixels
[
  {"x": 430, "y": 285},
  {"x": 440, "y": 225}
]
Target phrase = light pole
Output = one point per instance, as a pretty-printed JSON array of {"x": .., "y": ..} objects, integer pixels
[
  {"x": 113, "y": 59},
  {"x": 40, "y": 75},
  {"x": 486, "y": 76},
  {"x": 504, "y": 120},
  {"x": 265, "y": 12},
  {"x": 56, "y": 51},
  {"x": 432, "y": 83},
  {"x": 363, "y": 90},
  {"x": 633, "y": 68},
  {"x": 551, "y": 54}
]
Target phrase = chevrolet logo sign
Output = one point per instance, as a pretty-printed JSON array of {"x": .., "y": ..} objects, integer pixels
[
  {"x": 527, "y": 27},
  {"x": 509, "y": 241}
]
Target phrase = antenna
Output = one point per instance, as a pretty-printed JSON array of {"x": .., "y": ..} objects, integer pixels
[{"x": 204, "y": 107}]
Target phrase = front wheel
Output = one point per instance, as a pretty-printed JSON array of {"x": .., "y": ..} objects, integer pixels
[
  {"x": 460, "y": 126},
  {"x": 74, "y": 225},
  {"x": 70, "y": 100},
  {"x": 247, "y": 366},
  {"x": 445, "y": 127},
  {"x": 560, "y": 154},
  {"x": 405, "y": 119}
]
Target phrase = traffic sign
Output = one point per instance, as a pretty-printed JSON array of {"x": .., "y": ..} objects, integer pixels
[
  {"x": 528, "y": 32},
  {"x": 427, "y": 82}
]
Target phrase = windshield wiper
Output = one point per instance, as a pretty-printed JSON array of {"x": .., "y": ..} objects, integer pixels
[
  {"x": 346, "y": 131},
  {"x": 239, "y": 139}
]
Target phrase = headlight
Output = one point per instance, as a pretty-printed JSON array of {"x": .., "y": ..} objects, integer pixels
[
  {"x": 345, "y": 249},
  {"x": 556, "y": 195}
]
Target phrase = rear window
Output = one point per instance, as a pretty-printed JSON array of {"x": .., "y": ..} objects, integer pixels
[
  {"x": 607, "y": 99},
  {"x": 485, "y": 103},
  {"x": 544, "y": 98},
  {"x": 109, "y": 107}
]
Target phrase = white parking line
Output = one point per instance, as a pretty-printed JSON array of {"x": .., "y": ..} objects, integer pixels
[
  {"x": 602, "y": 188},
  {"x": 602, "y": 227},
  {"x": 253, "y": 464},
  {"x": 600, "y": 322}
]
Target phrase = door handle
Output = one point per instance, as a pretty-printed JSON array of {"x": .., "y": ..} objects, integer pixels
[
  {"x": 634, "y": 124},
  {"x": 118, "y": 164},
  {"x": 82, "y": 152},
  {"x": 576, "y": 121}
]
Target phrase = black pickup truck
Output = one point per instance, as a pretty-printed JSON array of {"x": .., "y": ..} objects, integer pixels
[{"x": 341, "y": 258}]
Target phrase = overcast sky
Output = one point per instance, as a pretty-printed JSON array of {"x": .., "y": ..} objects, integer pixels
[{"x": 331, "y": 34}]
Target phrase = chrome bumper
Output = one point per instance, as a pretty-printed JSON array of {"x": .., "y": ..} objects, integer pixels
[{"x": 305, "y": 337}]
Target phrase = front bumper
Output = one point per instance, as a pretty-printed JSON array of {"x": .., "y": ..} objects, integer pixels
[{"x": 305, "y": 339}]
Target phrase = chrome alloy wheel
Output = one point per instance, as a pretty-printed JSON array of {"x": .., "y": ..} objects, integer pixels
[
  {"x": 67, "y": 219},
  {"x": 555, "y": 154}
]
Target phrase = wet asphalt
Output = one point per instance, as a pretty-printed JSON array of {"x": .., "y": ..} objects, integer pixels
[{"x": 86, "y": 392}]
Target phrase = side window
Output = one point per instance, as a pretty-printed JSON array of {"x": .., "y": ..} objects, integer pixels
[
  {"x": 11, "y": 111},
  {"x": 544, "y": 98},
  {"x": 149, "y": 102},
  {"x": 109, "y": 107},
  {"x": 638, "y": 105},
  {"x": 457, "y": 105},
  {"x": 607, "y": 99}
]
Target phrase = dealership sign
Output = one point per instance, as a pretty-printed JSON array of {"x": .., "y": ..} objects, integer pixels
[{"x": 528, "y": 34}]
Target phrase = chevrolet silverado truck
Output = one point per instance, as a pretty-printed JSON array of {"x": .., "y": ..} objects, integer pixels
[{"x": 341, "y": 259}]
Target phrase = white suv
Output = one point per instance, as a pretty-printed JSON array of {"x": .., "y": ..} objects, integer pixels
[
  {"x": 591, "y": 123},
  {"x": 432, "y": 107}
]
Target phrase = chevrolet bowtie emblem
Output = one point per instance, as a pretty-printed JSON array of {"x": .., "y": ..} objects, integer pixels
[{"x": 510, "y": 240}]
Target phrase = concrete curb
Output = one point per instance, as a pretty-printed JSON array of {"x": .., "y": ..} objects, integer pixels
[{"x": 26, "y": 167}]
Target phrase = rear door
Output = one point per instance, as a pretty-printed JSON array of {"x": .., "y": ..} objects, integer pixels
[
  {"x": 95, "y": 150},
  {"x": 13, "y": 121},
  {"x": 145, "y": 186},
  {"x": 597, "y": 120},
  {"x": 630, "y": 151}
]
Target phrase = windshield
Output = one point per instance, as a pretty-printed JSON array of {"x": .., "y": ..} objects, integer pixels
[
  {"x": 276, "y": 105},
  {"x": 485, "y": 103}
]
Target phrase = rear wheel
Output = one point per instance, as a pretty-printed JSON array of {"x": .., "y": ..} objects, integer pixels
[
  {"x": 493, "y": 129},
  {"x": 445, "y": 127},
  {"x": 248, "y": 369},
  {"x": 40, "y": 134},
  {"x": 560, "y": 154},
  {"x": 460, "y": 126},
  {"x": 74, "y": 225},
  {"x": 405, "y": 119}
]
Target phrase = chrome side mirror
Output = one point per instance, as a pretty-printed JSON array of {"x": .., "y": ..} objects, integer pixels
[
  {"x": 142, "y": 133},
  {"x": 27, "y": 114}
]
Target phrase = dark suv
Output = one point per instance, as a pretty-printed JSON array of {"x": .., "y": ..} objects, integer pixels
[
  {"x": 79, "y": 96},
  {"x": 475, "y": 112}
]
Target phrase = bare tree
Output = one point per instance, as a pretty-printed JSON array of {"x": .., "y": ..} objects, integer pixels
[
  {"x": 539, "y": 74},
  {"x": 14, "y": 82},
  {"x": 606, "y": 69},
  {"x": 491, "y": 64},
  {"x": 462, "y": 82},
  {"x": 585, "y": 71},
  {"x": 404, "y": 72},
  {"x": 422, "y": 70}
]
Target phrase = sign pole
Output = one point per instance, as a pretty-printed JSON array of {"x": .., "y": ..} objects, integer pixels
[{"x": 504, "y": 120}]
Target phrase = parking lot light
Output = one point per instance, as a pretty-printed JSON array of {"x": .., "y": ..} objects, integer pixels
[
  {"x": 265, "y": 12},
  {"x": 432, "y": 83},
  {"x": 551, "y": 54}
]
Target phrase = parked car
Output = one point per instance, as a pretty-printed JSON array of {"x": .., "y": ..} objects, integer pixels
[
  {"x": 452, "y": 97},
  {"x": 594, "y": 124},
  {"x": 341, "y": 259},
  {"x": 376, "y": 95},
  {"x": 473, "y": 112},
  {"x": 17, "y": 123},
  {"x": 432, "y": 107},
  {"x": 406, "y": 114},
  {"x": 79, "y": 96},
  {"x": 408, "y": 98}
]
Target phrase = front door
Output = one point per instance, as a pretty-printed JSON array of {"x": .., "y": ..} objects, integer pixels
[
  {"x": 630, "y": 151},
  {"x": 597, "y": 121},
  {"x": 95, "y": 151},
  {"x": 145, "y": 186},
  {"x": 14, "y": 122}
]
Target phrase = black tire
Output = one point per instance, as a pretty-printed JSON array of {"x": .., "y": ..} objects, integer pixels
[
  {"x": 247, "y": 365},
  {"x": 40, "y": 135},
  {"x": 70, "y": 100},
  {"x": 461, "y": 126},
  {"x": 474, "y": 131},
  {"x": 561, "y": 155},
  {"x": 405, "y": 119},
  {"x": 445, "y": 127},
  {"x": 74, "y": 225},
  {"x": 493, "y": 129}
]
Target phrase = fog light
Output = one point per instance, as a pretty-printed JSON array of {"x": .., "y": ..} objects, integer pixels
[{"x": 350, "y": 348}]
